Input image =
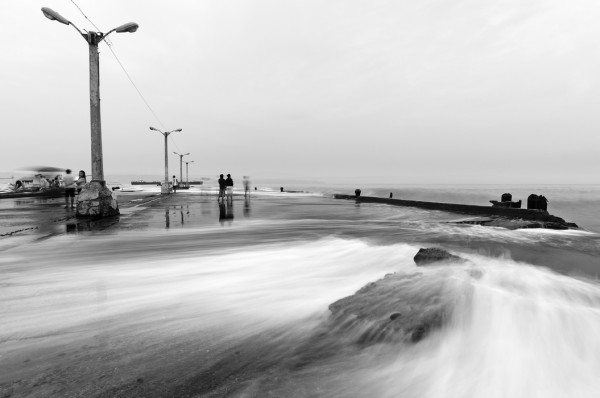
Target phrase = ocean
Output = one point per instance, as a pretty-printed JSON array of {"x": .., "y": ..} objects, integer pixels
[{"x": 188, "y": 298}]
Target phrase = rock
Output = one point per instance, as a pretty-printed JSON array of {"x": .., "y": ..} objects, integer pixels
[
  {"x": 96, "y": 201},
  {"x": 433, "y": 255},
  {"x": 399, "y": 308}
]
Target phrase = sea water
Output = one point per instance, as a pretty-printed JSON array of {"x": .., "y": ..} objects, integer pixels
[{"x": 194, "y": 304}]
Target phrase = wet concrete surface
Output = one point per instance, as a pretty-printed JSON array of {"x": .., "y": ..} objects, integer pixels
[
  {"x": 38, "y": 218},
  {"x": 24, "y": 220}
]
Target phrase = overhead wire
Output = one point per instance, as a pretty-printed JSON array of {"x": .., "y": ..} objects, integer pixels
[{"x": 109, "y": 45}]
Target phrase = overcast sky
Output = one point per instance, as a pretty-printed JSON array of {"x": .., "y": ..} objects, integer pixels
[{"x": 428, "y": 91}]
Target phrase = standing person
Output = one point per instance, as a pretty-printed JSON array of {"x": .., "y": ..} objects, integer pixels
[
  {"x": 69, "y": 183},
  {"x": 80, "y": 181},
  {"x": 246, "y": 185},
  {"x": 175, "y": 184},
  {"x": 229, "y": 186},
  {"x": 222, "y": 186}
]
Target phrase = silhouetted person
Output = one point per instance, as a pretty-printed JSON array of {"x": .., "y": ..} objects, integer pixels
[
  {"x": 175, "y": 184},
  {"x": 80, "y": 181},
  {"x": 229, "y": 187},
  {"x": 391, "y": 195},
  {"x": 246, "y": 185},
  {"x": 70, "y": 186},
  {"x": 222, "y": 187}
]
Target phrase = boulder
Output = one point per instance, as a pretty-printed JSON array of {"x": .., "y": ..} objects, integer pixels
[
  {"x": 433, "y": 255},
  {"x": 404, "y": 308}
]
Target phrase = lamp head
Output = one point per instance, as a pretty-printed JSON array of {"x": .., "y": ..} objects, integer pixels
[
  {"x": 54, "y": 16},
  {"x": 178, "y": 129},
  {"x": 128, "y": 27},
  {"x": 153, "y": 129}
]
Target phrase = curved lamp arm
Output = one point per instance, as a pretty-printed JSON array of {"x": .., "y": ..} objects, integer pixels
[{"x": 54, "y": 16}]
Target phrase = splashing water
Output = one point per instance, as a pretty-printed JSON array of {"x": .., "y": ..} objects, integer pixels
[{"x": 243, "y": 311}]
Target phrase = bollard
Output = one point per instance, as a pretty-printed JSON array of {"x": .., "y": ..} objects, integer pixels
[
  {"x": 542, "y": 203},
  {"x": 532, "y": 201}
]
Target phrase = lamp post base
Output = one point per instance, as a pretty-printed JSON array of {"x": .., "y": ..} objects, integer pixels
[
  {"x": 165, "y": 188},
  {"x": 96, "y": 200}
]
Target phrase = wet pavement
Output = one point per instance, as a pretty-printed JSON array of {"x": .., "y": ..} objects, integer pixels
[
  {"x": 25, "y": 220},
  {"x": 38, "y": 218}
]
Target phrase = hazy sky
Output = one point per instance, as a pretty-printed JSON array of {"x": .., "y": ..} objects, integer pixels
[{"x": 427, "y": 91}]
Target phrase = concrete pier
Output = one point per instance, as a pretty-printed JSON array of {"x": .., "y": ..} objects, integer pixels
[{"x": 545, "y": 219}]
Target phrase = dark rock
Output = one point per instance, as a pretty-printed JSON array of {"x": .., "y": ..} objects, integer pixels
[
  {"x": 433, "y": 255},
  {"x": 419, "y": 333},
  {"x": 398, "y": 308},
  {"x": 506, "y": 204},
  {"x": 538, "y": 202},
  {"x": 555, "y": 225}
]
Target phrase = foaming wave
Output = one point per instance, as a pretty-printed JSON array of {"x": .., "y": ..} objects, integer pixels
[
  {"x": 522, "y": 331},
  {"x": 51, "y": 299}
]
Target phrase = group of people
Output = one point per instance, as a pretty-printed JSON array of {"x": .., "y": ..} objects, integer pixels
[
  {"x": 68, "y": 181},
  {"x": 71, "y": 185},
  {"x": 225, "y": 188}
]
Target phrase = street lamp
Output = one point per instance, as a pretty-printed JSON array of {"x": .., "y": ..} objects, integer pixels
[
  {"x": 187, "y": 181},
  {"x": 165, "y": 186},
  {"x": 96, "y": 191},
  {"x": 181, "y": 164}
]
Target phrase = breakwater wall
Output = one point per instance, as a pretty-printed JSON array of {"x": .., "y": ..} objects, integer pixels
[{"x": 524, "y": 214}]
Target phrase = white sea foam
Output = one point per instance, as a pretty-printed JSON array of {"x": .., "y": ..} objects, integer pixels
[
  {"x": 262, "y": 286},
  {"x": 522, "y": 332},
  {"x": 516, "y": 331}
]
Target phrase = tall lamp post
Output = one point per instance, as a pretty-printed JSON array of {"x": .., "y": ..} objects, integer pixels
[
  {"x": 187, "y": 180},
  {"x": 95, "y": 199},
  {"x": 181, "y": 164},
  {"x": 165, "y": 185}
]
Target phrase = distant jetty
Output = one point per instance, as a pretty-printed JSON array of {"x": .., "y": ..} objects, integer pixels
[
  {"x": 506, "y": 217},
  {"x": 142, "y": 182}
]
